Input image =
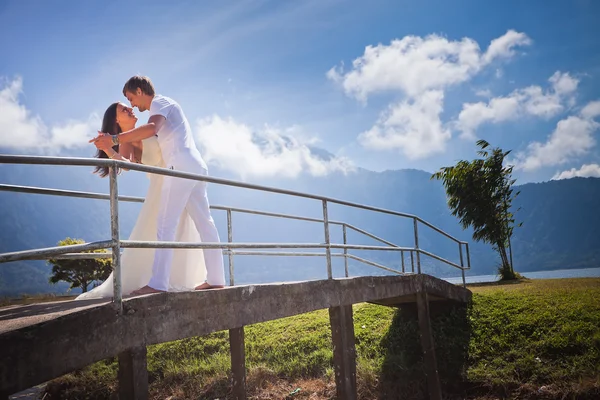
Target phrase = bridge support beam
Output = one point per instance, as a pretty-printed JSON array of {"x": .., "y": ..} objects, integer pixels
[
  {"x": 431, "y": 371},
  {"x": 344, "y": 351},
  {"x": 133, "y": 374},
  {"x": 238, "y": 362}
]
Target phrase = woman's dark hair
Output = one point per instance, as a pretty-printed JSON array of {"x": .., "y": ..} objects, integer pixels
[{"x": 109, "y": 125}]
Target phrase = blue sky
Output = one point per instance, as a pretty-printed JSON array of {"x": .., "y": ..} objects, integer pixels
[{"x": 381, "y": 85}]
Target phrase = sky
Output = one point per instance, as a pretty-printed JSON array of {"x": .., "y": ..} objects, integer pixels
[{"x": 381, "y": 85}]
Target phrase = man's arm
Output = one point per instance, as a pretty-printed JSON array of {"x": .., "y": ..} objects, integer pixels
[
  {"x": 135, "y": 135},
  {"x": 143, "y": 132}
]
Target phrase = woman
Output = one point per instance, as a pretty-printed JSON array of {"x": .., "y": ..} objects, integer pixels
[{"x": 188, "y": 270}]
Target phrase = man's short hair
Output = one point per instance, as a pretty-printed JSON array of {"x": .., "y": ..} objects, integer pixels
[{"x": 142, "y": 82}]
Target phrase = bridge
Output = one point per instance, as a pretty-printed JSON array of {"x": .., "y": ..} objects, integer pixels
[{"x": 39, "y": 342}]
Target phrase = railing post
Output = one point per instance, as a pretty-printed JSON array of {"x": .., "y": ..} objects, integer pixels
[
  {"x": 238, "y": 362},
  {"x": 462, "y": 264},
  {"x": 512, "y": 267},
  {"x": 402, "y": 257},
  {"x": 229, "y": 251},
  {"x": 412, "y": 261},
  {"x": 133, "y": 373},
  {"x": 345, "y": 250},
  {"x": 344, "y": 351},
  {"x": 116, "y": 248},
  {"x": 327, "y": 241},
  {"x": 428, "y": 345},
  {"x": 468, "y": 256},
  {"x": 417, "y": 245},
  {"x": 236, "y": 335}
]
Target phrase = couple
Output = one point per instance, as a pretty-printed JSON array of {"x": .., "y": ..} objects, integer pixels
[{"x": 175, "y": 209}]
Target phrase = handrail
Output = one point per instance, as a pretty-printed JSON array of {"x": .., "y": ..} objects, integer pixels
[
  {"x": 67, "y": 193},
  {"x": 100, "y": 196},
  {"x": 135, "y": 199},
  {"x": 440, "y": 259},
  {"x": 218, "y": 245},
  {"x": 21, "y": 255},
  {"x": 371, "y": 235},
  {"x": 44, "y": 160},
  {"x": 50, "y": 252},
  {"x": 373, "y": 264},
  {"x": 229, "y": 247}
]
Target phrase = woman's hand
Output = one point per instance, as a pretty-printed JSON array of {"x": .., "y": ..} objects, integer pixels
[{"x": 103, "y": 141}]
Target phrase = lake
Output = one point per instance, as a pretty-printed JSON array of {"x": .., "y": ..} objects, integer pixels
[{"x": 556, "y": 274}]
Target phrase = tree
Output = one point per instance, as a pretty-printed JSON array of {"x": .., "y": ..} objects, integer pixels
[
  {"x": 480, "y": 194},
  {"x": 82, "y": 272}
]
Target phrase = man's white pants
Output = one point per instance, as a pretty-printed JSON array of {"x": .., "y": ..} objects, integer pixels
[{"x": 178, "y": 194}]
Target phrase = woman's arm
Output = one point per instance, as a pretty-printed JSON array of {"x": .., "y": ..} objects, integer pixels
[
  {"x": 128, "y": 152},
  {"x": 132, "y": 151},
  {"x": 113, "y": 155}
]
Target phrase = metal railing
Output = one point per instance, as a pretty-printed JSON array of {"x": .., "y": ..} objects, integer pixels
[{"x": 231, "y": 248}]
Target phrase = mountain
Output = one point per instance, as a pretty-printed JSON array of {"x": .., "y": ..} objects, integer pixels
[{"x": 560, "y": 222}]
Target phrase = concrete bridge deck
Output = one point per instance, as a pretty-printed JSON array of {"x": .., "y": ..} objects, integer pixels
[{"x": 39, "y": 342}]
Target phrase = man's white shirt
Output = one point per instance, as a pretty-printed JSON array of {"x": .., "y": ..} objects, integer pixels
[{"x": 175, "y": 136}]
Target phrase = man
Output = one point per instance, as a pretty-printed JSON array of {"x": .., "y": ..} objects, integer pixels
[{"x": 168, "y": 122}]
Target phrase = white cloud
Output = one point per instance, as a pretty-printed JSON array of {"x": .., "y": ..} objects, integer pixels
[
  {"x": 21, "y": 130},
  {"x": 412, "y": 127},
  {"x": 591, "y": 110},
  {"x": 572, "y": 137},
  {"x": 586, "y": 170},
  {"x": 420, "y": 68},
  {"x": 532, "y": 100},
  {"x": 18, "y": 128},
  {"x": 414, "y": 64},
  {"x": 563, "y": 84},
  {"x": 74, "y": 134},
  {"x": 503, "y": 47},
  {"x": 483, "y": 93},
  {"x": 496, "y": 110},
  {"x": 265, "y": 153}
]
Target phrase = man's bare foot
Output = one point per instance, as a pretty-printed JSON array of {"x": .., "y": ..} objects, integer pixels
[
  {"x": 145, "y": 290},
  {"x": 206, "y": 285}
]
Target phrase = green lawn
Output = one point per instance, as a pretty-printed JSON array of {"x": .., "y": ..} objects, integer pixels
[{"x": 535, "y": 339}]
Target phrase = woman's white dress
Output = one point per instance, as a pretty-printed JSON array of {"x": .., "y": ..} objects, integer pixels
[{"x": 188, "y": 269}]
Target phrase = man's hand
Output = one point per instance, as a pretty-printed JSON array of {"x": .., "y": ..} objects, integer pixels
[{"x": 103, "y": 141}]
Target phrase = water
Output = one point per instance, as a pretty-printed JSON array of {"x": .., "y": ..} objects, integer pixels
[{"x": 556, "y": 274}]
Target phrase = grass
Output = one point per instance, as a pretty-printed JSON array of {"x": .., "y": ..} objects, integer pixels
[
  {"x": 537, "y": 332},
  {"x": 534, "y": 339}
]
